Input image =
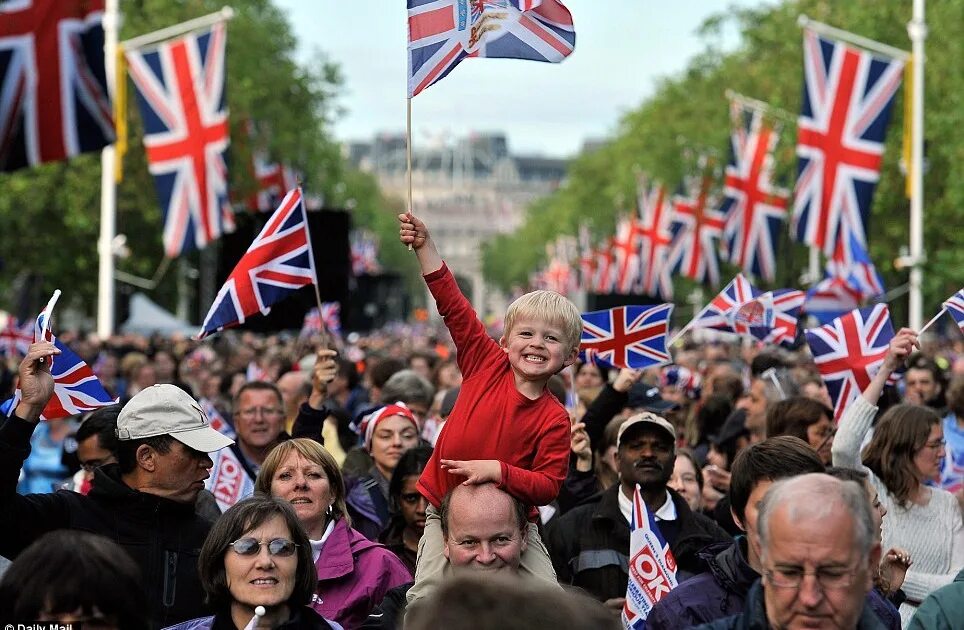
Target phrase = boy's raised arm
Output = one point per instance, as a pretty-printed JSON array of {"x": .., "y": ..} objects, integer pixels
[{"x": 412, "y": 231}]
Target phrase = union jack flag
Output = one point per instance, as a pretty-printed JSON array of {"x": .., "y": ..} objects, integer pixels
[
  {"x": 719, "y": 313},
  {"x": 955, "y": 306},
  {"x": 849, "y": 351},
  {"x": 605, "y": 276},
  {"x": 697, "y": 230},
  {"x": 364, "y": 253},
  {"x": 53, "y": 87},
  {"x": 76, "y": 388},
  {"x": 654, "y": 244},
  {"x": 626, "y": 254},
  {"x": 16, "y": 338},
  {"x": 753, "y": 206},
  {"x": 626, "y": 336},
  {"x": 587, "y": 259},
  {"x": 847, "y": 98},
  {"x": 441, "y": 33},
  {"x": 180, "y": 91},
  {"x": 272, "y": 179},
  {"x": 781, "y": 327},
  {"x": 278, "y": 262},
  {"x": 329, "y": 318},
  {"x": 846, "y": 286}
]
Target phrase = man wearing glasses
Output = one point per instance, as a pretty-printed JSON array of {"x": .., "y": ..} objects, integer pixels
[
  {"x": 818, "y": 553},
  {"x": 259, "y": 419}
]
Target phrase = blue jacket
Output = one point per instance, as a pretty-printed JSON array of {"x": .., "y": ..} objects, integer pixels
[
  {"x": 303, "y": 619},
  {"x": 754, "y": 617}
]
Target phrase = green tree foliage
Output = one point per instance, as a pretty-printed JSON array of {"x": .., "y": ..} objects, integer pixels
[
  {"x": 687, "y": 115},
  {"x": 50, "y": 215}
]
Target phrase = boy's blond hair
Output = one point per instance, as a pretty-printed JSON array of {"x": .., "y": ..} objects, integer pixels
[{"x": 550, "y": 307}]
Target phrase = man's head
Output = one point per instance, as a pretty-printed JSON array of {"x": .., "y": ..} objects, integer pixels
[
  {"x": 756, "y": 468},
  {"x": 818, "y": 552},
  {"x": 258, "y": 418},
  {"x": 484, "y": 529},
  {"x": 410, "y": 388},
  {"x": 803, "y": 418},
  {"x": 295, "y": 387},
  {"x": 924, "y": 383},
  {"x": 542, "y": 331},
  {"x": 163, "y": 443},
  {"x": 645, "y": 452},
  {"x": 97, "y": 439}
]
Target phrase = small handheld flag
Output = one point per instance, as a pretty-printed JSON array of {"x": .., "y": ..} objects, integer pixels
[{"x": 626, "y": 336}]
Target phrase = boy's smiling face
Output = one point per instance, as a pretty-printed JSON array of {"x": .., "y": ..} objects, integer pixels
[{"x": 537, "y": 349}]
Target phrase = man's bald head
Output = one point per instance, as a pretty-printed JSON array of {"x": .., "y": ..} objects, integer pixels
[{"x": 484, "y": 528}]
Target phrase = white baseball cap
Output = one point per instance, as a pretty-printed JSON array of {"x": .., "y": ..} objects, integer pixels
[
  {"x": 169, "y": 410},
  {"x": 649, "y": 418}
]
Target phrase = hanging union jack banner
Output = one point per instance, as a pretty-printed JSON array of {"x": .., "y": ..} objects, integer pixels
[
  {"x": 76, "y": 388},
  {"x": 626, "y": 336},
  {"x": 626, "y": 254},
  {"x": 180, "y": 91},
  {"x": 847, "y": 99},
  {"x": 272, "y": 179},
  {"x": 53, "y": 88},
  {"x": 278, "y": 262},
  {"x": 697, "y": 230},
  {"x": 654, "y": 244},
  {"x": 754, "y": 208},
  {"x": 15, "y": 339},
  {"x": 441, "y": 33},
  {"x": 849, "y": 351}
]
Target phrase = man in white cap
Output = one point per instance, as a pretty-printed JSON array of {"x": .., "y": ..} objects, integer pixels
[
  {"x": 145, "y": 502},
  {"x": 589, "y": 545}
]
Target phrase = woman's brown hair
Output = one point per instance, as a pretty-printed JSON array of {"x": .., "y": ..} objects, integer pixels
[
  {"x": 313, "y": 452},
  {"x": 901, "y": 432}
]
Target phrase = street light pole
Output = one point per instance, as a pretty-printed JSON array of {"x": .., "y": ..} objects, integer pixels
[
  {"x": 917, "y": 30},
  {"x": 108, "y": 187}
]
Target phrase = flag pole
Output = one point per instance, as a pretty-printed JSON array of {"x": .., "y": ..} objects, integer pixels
[
  {"x": 917, "y": 30},
  {"x": 852, "y": 38},
  {"x": 408, "y": 160},
  {"x": 933, "y": 319},
  {"x": 108, "y": 186},
  {"x": 225, "y": 14}
]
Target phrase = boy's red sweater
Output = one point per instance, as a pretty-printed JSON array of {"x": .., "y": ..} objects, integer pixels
[{"x": 491, "y": 418}]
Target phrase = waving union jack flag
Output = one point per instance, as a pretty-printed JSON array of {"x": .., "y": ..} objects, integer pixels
[
  {"x": 180, "y": 90},
  {"x": 654, "y": 243},
  {"x": 781, "y": 326},
  {"x": 626, "y": 336},
  {"x": 849, "y": 351},
  {"x": 754, "y": 208},
  {"x": 329, "y": 318},
  {"x": 16, "y": 338},
  {"x": 53, "y": 88},
  {"x": 955, "y": 306},
  {"x": 846, "y": 286},
  {"x": 697, "y": 230},
  {"x": 441, "y": 33},
  {"x": 720, "y": 313},
  {"x": 76, "y": 388},
  {"x": 278, "y": 262},
  {"x": 847, "y": 98}
]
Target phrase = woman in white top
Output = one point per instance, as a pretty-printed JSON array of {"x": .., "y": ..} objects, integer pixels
[{"x": 906, "y": 451}]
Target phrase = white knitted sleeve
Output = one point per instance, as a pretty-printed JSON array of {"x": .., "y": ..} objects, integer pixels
[
  {"x": 918, "y": 585},
  {"x": 853, "y": 426}
]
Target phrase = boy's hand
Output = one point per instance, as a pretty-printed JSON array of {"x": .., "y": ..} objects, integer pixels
[
  {"x": 412, "y": 231},
  {"x": 476, "y": 471}
]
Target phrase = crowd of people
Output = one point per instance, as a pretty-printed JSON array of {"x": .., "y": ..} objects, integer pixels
[{"x": 456, "y": 476}]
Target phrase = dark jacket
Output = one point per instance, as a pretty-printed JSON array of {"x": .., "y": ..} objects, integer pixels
[
  {"x": 367, "y": 506},
  {"x": 943, "y": 609},
  {"x": 722, "y": 592},
  {"x": 390, "y": 612},
  {"x": 754, "y": 617},
  {"x": 589, "y": 545},
  {"x": 162, "y": 536}
]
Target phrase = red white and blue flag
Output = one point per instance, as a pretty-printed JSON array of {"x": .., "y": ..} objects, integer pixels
[
  {"x": 277, "y": 263},
  {"x": 845, "y": 286},
  {"x": 328, "y": 318},
  {"x": 719, "y": 313},
  {"x": 76, "y": 388},
  {"x": 587, "y": 259},
  {"x": 53, "y": 87},
  {"x": 272, "y": 179},
  {"x": 847, "y": 99},
  {"x": 626, "y": 254},
  {"x": 955, "y": 306},
  {"x": 771, "y": 317},
  {"x": 754, "y": 207},
  {"x": 180, "y": 91},
  {"x": 849, "y": 352},
  {"x": 604, "y": 277},
  {"x": 441, "y": 33},
  {"x": 364, "y": 253},
  {"x": 652, "y": 567},
  {"x": 655, "y": 238},
  {"x": 697, "y": 229},
  {"x": 16, "y": 338},
  {"x": 626, "y": 336}
]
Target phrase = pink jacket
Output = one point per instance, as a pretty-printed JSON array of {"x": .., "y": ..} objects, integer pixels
[{"x": 354, "y": 574}]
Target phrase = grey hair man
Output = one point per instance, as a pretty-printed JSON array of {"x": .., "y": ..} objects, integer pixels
[{"x": 818, "y": 553}]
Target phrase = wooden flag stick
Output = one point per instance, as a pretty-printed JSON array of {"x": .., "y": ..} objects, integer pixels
[
  {"x": 408, "y": 160},
  {"x": 933, "y": 319}
]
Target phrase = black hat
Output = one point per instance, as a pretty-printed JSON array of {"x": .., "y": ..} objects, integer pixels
[
  {"x": 734, "y": 427},
  {"x": 643, "y": 396}
]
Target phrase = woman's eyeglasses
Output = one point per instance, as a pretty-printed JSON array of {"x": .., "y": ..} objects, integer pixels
[{"x": 281, "y": 547}]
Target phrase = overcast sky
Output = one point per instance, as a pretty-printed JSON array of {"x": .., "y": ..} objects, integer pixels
[{"x": 622, "y": 48}]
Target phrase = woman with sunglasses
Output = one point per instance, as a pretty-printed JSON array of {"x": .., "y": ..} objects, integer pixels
[
  {"x": 353, "y": 573},
  {"x": 903, "y": 456},
  {"x": 408, "y": 506},
  {"x": 256, "y": 562}
]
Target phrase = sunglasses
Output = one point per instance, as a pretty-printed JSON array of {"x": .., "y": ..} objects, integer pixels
[{"x": 281, "y": 547}]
